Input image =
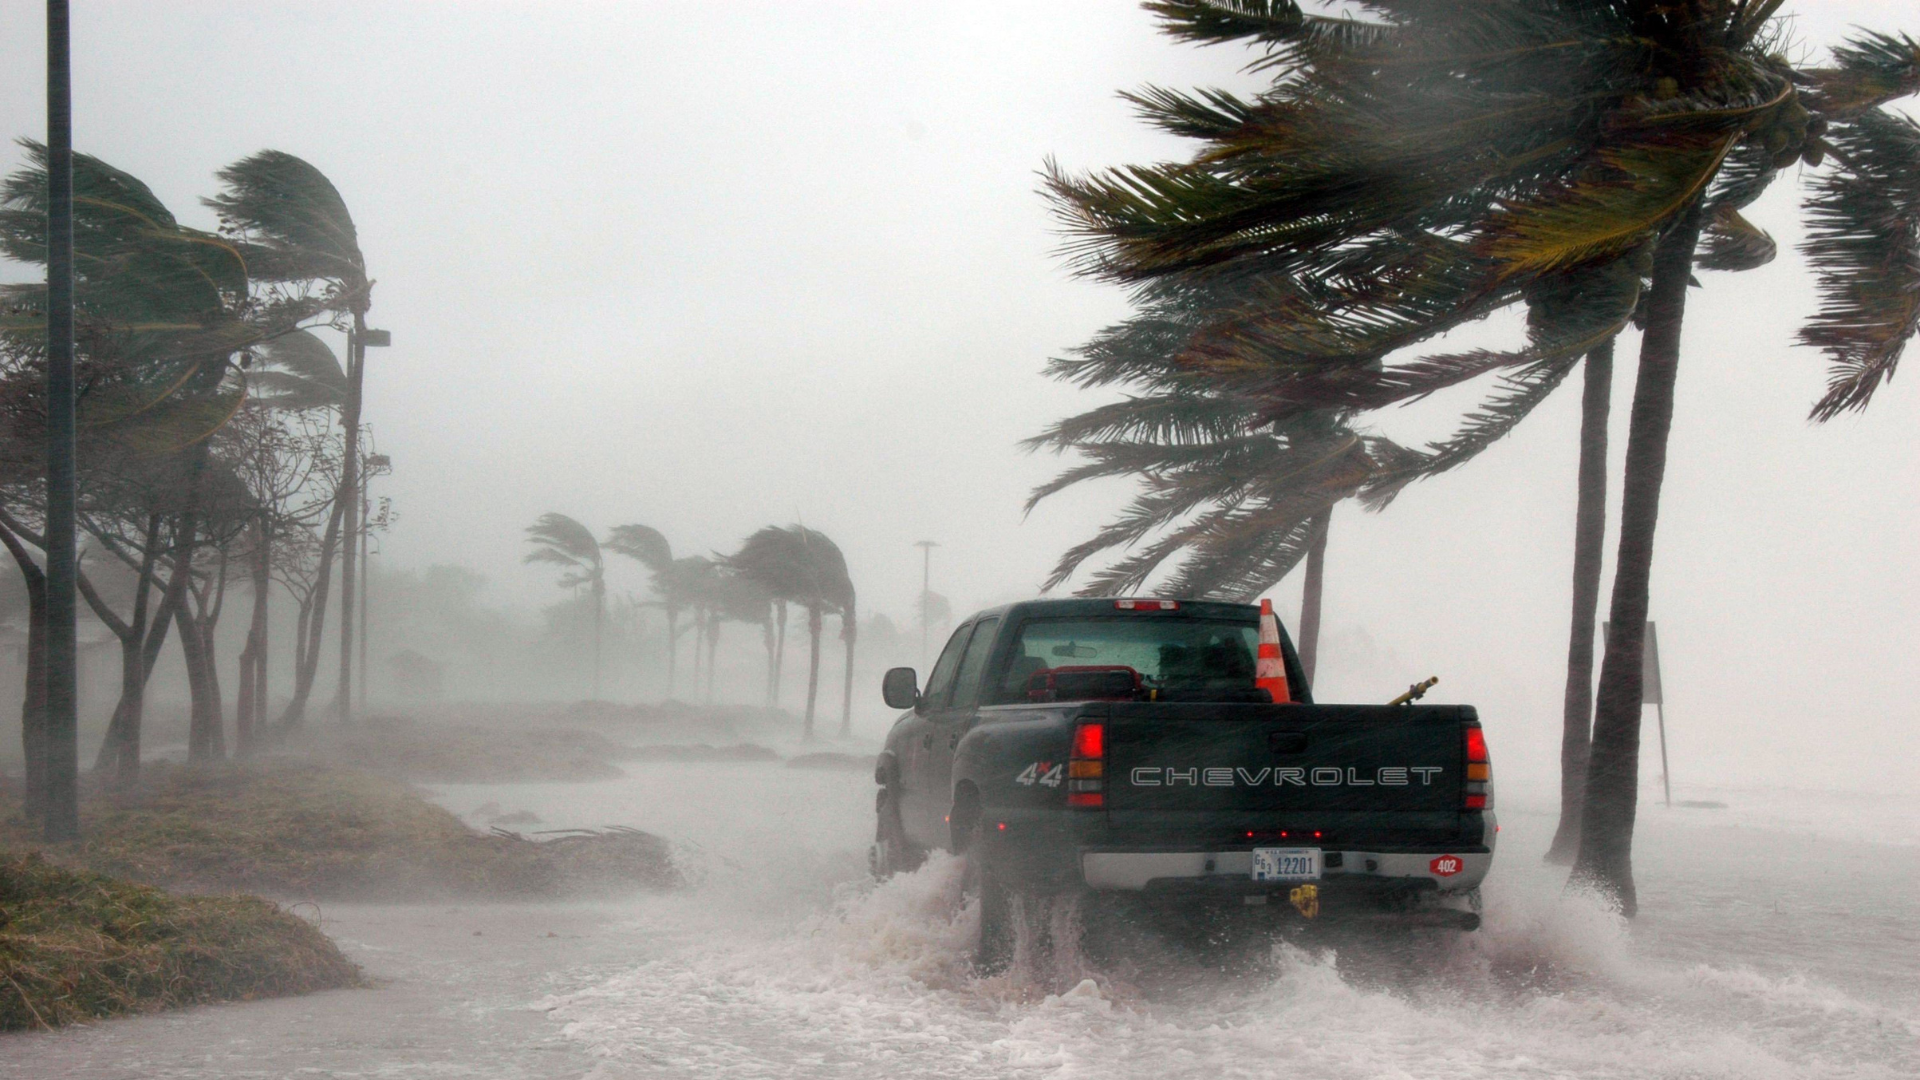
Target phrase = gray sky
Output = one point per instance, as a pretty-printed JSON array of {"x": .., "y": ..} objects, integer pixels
[{"x": 710, "y": 267}]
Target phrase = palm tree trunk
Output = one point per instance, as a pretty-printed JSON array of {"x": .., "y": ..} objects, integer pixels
[
  {"x": 849, "y": 630},
  {"x": 713, "y": 649},
  {"x": 1605, "y": 860},
  {"x": 779, "y": 649},
  {"x": 1308, "y": 646},
  {"x": 599, "y": 617},
  {"x": 1589, "y": 542},
  {"x": 813, "y": 669},
  {"x": 766, "y": 642},
  {"x": 699, "y": 639},
  {"x": 673, "y": 646}
]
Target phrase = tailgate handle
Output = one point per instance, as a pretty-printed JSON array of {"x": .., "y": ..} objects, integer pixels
[{"x": 1286, "y": 742}]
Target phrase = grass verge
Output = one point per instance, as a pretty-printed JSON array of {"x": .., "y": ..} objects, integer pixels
[
  {"x": 297, "y": 830},
  {"x": 78, "y": 946}
]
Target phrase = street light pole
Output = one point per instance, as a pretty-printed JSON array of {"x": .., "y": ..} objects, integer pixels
[
  {"x": 926, "y": 593},
  {"x": 62, "y": 750}
]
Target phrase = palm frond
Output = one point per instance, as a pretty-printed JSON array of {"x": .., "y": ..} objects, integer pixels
[
  {"x": 296, "y": 224},
  {"x": 1863, "y": 241},
  {"x": 1627, "y": 192},
  {"x": 1731, "y": 242},
  {"x": 1868, "y": 71},
  {"x": 296, "y": 371},
  {"x": 642, "y": 543},
  {"x": 560, "y": 539}
]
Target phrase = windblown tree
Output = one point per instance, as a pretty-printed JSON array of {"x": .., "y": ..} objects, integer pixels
[
  {"x": 1242, "y": 499},
  {"x": 299, "y": 241},
  {"x": 564, "y": 542},
  {"x": 730, "y": 596},
  {"x": 801, "y": 566},
  {"x": 1437, "y": 162},
  {"x": 679, "y": 583},
  {"x": 162, "y": 313},
  {"x": 282, "y": 453}
]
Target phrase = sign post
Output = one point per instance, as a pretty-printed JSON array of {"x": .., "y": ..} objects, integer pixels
[{"x": 1651, "y": 693}]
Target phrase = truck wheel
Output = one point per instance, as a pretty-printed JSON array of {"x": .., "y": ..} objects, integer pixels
[
  {"x": 892, "y": 853},
  {"x": 994, "y": 950}
]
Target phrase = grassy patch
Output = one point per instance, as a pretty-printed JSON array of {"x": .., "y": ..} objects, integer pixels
[
  {"x": 301, "y": 830},
  {"x": 79, "y": 946}
]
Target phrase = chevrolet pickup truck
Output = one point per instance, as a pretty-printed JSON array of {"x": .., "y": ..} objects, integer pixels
[{"x": 1126, "y": 745}]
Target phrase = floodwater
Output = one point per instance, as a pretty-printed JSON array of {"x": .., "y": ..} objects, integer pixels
[{"x": 1774, "y": 941}]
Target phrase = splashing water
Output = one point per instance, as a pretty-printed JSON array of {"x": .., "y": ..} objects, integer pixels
[{"x": 785, "y": 962}]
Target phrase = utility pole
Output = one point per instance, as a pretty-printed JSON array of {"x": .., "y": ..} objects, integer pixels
[
  {"x": 350, "y": 484},
  {"x": 350, "y": 521},
  {"x": 62, "y": 749},
  {"x": 926, "y": 593}
]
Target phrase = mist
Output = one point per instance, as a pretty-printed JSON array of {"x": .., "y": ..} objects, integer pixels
[{"x": 711, "y": 268}]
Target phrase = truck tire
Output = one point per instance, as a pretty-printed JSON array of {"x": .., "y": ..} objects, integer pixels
[
  {"x": 993, "y": 951},
  {"x": 892, "y": 853}
]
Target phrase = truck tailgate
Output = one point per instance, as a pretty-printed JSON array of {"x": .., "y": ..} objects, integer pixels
[{"x": 1345, "y": 769}]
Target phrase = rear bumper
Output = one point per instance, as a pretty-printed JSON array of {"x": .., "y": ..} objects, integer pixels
[{"x": 1231, "y": 872}]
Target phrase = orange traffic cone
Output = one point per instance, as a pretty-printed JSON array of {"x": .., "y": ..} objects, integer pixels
[{"x": 1269, "y": 669}]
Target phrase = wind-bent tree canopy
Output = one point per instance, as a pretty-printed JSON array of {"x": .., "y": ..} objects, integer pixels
[
  {"x": 647, "y": 546},
  {"x": 162, "y": 311},
  {"x": 1436, "y": 162},
  {"x": 294, "y": 229},
  {"x": 564, "y": 542},
  {"x": 800, "y": 565}
]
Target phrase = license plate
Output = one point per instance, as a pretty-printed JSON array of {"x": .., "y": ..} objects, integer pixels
[{"x": 1286, "y": 864}]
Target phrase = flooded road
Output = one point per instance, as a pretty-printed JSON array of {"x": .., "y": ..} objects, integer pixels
[{"x": 1772, "y": 943}]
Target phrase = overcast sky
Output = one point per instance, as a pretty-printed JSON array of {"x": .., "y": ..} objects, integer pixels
[{"x": 714, "y": 266}]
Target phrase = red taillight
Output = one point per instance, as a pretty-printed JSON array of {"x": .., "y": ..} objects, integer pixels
[
  {"x": 1090, "y": 741},
  {"x": 1477, "y": 789},
  {"x": 1147, "y": 605},
  {"x": 1086, "y": 782}
]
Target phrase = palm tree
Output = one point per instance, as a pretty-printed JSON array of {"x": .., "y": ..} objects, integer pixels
[
  {"x": 1245, "y": 498},
  {"x": 801, "y": 566},
  {"x": 647, "y": 546},
  {"x": 1406, "y": 174},
  {"x": 730, "y": 596},
  {"x": 295, "y": 231},
  {"x": 559, "y": 539}
]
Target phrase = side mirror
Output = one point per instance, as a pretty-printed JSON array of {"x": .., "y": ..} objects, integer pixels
[{"x": 901, "y": 687}]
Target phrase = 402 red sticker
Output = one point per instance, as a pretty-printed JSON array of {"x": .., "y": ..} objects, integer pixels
[{"x": 1447, "y": 865}]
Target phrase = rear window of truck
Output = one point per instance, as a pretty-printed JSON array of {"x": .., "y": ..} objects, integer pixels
[{"x": 1185, "y": 655}]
